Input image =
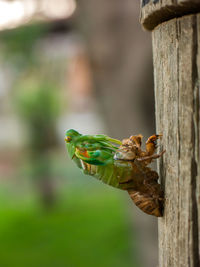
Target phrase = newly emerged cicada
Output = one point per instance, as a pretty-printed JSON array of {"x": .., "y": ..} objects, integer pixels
[{"x": 120, "y": 164}]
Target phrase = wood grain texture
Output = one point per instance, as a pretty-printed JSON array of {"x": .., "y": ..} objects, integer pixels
[
  {"x": 176, "y": 46},
  {"x": 154, "y": 12}
]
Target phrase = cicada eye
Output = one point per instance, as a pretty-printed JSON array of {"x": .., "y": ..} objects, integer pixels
[{"x": 68, "y": 139}]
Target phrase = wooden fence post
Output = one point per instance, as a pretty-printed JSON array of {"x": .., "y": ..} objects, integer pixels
[{"x": 175, "y": 26}]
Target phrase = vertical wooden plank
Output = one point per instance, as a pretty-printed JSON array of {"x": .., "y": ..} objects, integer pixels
[
  {"x": 176, "y": 68},
  {"x": 167, "y": 124}
]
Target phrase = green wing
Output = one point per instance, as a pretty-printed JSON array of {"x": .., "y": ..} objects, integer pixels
[
  {"x": 93, "y": 149},
  {"x": 96, "y": 149},
  {"x": 98, "y": 152},
  {"x": 96, "y": 157}
]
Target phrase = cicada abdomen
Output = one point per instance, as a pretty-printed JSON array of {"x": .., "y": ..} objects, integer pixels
[
  {"x": 147, "y": 203},
  {"x": 149, "y": 195},
  {"x": 139, "y": 181}
]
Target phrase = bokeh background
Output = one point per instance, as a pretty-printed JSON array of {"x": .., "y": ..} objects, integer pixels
[{"x": 87, "y": 65}]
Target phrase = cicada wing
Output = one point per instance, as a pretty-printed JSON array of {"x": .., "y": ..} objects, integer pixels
[
  {"x": 71, "y": 150},
  {"x": 101, "y": 156}
]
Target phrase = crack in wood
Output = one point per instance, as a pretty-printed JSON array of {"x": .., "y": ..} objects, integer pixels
[
  {"x": 195, "y": 142},
  {"x": 178, "y": 122}
]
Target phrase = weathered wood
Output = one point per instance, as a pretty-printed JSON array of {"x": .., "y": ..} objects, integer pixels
[
  {"x": 176, "y": 46},
  {"x": 154, "y": 12}
]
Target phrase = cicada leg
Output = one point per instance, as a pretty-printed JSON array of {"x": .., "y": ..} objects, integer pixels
[
  {"x": 156, "y": 156},
  {"x": 151, "y": 143}
]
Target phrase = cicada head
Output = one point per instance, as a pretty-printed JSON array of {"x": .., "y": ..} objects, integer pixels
[{"x": 70, "y": 138}]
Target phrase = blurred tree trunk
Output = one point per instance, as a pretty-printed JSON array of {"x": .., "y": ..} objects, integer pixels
[{"x": 120, "y": 54}]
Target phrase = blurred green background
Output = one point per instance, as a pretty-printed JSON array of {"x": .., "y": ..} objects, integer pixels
[
  {"x": 87, "y": 225},
  {"x": 65, "y": 65}
]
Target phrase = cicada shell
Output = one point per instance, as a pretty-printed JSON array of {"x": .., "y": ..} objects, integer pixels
[{"x": 143, "y": 186}]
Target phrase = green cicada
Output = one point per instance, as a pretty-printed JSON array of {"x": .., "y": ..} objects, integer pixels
[{"x": 121, "y": 164}]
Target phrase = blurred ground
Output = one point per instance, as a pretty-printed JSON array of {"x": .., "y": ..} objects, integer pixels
[{"x": 88, "y": 226}]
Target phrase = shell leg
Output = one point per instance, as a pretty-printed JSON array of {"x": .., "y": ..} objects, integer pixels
[
  {"x": 155, "y": 156},
  {"x": 151, "y": 144}
]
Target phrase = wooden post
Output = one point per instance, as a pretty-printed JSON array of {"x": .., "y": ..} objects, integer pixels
[{"x": 175, "y": 29}]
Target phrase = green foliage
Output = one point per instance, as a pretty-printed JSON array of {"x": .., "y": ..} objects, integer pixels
[
  {"x": 38, "y": 104},
  {"x": 20, "y": 41}
]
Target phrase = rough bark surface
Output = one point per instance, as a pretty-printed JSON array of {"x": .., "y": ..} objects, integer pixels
[
  {"x": 154, "y": 12},
  {"x": 176, "y": 46}
]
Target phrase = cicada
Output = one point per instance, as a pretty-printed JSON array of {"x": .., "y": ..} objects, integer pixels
[{"x": 121, "y": 164}]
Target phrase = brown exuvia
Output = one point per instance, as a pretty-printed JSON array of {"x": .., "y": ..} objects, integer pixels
[{"x": 142, "y": 186}]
